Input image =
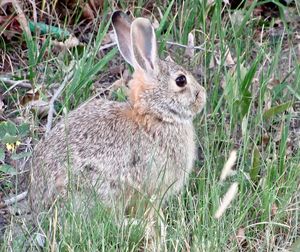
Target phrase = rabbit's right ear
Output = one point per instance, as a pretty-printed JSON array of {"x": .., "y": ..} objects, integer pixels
[
  {"x": 144, "y": 45},
  {"x": 121, "y": 24}
]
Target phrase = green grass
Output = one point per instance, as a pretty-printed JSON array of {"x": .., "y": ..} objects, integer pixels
[{"x": 242, "y": 113}]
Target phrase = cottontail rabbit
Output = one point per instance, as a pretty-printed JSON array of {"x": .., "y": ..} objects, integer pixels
[{"x": 145, "y": 144}]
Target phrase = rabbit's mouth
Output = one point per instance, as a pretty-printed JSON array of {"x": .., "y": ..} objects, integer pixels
[
  {"x": 200, "y": 101},
  {"x": 186, "y": 115},
  {"x": 188, "y": 111}
]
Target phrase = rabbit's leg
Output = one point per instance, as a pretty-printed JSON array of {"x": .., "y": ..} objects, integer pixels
[{"x": 155, "y": 232}]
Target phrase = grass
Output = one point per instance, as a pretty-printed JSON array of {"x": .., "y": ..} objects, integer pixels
[{"x": 244, "y": 112}]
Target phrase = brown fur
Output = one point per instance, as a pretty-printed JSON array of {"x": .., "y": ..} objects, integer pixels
[
  {"x": 137, "y": 113},
  {"x": 138, "y": 85},
  {"x": 147, "y": 121}
]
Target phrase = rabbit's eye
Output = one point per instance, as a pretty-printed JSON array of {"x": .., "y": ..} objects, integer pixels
[{"x": 181, "y": 81}]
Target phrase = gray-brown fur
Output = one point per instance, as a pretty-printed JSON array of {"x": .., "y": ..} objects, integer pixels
[{"x": 145, "y": 145}]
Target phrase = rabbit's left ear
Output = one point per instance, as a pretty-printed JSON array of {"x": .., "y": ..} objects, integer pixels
[
  {"x": 144, "y": 47},
  {"x": 122, "y": 25}
]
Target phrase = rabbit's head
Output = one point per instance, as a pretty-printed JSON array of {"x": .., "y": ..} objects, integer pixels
[{"x": 159, "y": 88}]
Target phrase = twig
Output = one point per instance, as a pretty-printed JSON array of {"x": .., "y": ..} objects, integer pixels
[
  {"x": 53, "y": 99},
  {"x": 13, "y": 83},
  {"x": 3, "y": 2},
  {"x": 15, "y": 199},
  {"x": 186, "y": 46},
  {"x": 34, "y": 13},
  {"x": 21, "y": 17},
  {"x": 107, "y": 46},
  {"x": 168, "y": 42}
]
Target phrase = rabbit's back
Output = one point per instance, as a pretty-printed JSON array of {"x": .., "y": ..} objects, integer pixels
[{"x": 105, "y": 145}]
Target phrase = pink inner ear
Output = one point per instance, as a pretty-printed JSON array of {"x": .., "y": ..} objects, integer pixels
[
  {"x": 125, "y": 28},
  {"x": 122, "y": 26},
  {"x": 125, "y": 42},
  {"x": 144, "y": 47},
  {"x": 141, "y": 43}
]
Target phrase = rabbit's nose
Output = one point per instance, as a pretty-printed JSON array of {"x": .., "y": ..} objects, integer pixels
[
  {"x": 200, "y": 95},
  {"x": 201, "y": 91}
]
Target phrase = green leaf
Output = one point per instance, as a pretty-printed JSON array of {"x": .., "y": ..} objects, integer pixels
[
  {"x": 43, "y": 49},
  {"x": 277, "y": 110},
  {"x": 17, "y": 156},
  {"x": 246, "y": 18},
  {"x": 8, "y": 169},
  {"x": 164, "y": 19},
  {"x": 2, "y": 130},
  {"x": 2, "y": 154},
  {"x": 7, "y": 128},
  {"x": 9, "y": 139},
  {"x": 43, "y": 28},
  {"x": 296, "y": 246},
  {"x": 119, "y": 95},
  {"x": 254, "y": 171},
  {"x": 100, "y": 64},
  {"x": 247, "y": 80},
  {"x": 294, "y": 92},
  {"x": 23, "y": 129},
  {"x": 166, "y": 35},
  {"x": 102, "y": 31},
  {"x": 245, "y": 103},
  {"x": 32, "y": 54}
]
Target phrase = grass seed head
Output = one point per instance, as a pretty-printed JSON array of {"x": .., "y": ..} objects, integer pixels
[
  {"x": 227, "y": 169},
  {"x": 228, "y": 197}
]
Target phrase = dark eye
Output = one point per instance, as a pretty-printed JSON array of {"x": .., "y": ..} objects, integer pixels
[{"x": 181, "y": 81}]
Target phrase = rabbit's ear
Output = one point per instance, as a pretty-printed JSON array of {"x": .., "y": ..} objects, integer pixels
[
  {"x": 144, "y": 44},
  {"x": 121, "y": 24}
]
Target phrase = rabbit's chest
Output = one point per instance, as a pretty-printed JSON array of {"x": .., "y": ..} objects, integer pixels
[{"x": 174, "y": 159}]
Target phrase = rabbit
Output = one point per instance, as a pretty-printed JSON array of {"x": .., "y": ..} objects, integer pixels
[{"x": 144, "y": 145}]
